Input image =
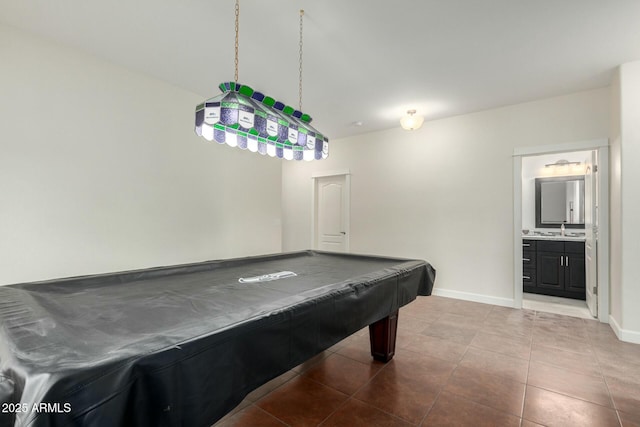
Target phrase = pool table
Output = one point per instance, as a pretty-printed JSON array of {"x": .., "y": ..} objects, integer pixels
[{"x": 183, "y": 345}]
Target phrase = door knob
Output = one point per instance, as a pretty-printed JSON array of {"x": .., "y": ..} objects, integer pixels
[{"x": 343, "y": 232}]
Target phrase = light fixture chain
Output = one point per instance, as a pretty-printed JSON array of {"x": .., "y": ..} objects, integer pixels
[
  {"x": 300, "y": 69},
  {"x": 237, "y": 31}
]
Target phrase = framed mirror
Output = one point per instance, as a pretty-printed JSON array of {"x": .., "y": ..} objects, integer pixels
[{"x": 560, "y": 200}]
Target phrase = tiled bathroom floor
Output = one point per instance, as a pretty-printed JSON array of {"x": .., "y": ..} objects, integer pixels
[
  {"x": 549, "y": 304},
  {"x": 461, "y": 363}
]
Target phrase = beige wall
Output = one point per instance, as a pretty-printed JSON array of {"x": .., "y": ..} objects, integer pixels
[
  {"x": 625, "y": 202},
  {"x": 615, "y": 200},
  {"x": 100, "y": 171},
  {"x": 444, "y": 193}
]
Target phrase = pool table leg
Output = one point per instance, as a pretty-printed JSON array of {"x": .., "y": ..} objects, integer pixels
[{"x": 382, "y": 335}]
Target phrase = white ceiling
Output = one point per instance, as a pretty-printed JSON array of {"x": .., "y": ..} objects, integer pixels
[{"x": 364, "y": 60}]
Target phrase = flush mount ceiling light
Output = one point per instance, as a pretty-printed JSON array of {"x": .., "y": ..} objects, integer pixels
[
  {"x": 411, "y": 121},
  {"x": 245, "y": 118}
]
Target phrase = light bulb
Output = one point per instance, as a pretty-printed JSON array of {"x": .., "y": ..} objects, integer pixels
[{"x": 411, "y": 121}]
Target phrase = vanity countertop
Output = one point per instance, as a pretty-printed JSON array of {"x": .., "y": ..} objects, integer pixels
[{"x": 580, "y": 238}]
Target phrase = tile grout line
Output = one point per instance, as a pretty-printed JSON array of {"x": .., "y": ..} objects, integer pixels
[
  {"x": 352, "y": 395},
  {"x": 472, "y": 401},
  {"x": 254, "y": 403},
  {"x": 443, "y": 386},
  {"x": 606, "y": 383},
  {"x": 597, "y": 347},
  {"x": 570, "y": 396},
  {"x": 526, "y": 385}
]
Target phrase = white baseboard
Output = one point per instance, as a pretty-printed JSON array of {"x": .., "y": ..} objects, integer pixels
[
  {"x": 468, "y": 296},
  {"x": 624, "y": 334}
]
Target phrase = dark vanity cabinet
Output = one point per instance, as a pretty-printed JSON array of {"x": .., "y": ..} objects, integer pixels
[{"x": 554, "y": 267}]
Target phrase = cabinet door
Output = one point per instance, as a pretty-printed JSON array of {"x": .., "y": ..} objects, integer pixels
[
  {"x": 575, "y": 276},
  {"x": 550, "y": 272}
]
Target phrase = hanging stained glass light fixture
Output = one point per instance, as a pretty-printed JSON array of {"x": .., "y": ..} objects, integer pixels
[{"x": 248, "y": 119}]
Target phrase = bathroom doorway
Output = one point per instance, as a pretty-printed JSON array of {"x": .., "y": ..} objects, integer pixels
[{"x": 583, "y": 220}]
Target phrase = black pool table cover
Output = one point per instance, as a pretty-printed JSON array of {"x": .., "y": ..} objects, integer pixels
[{"x": 182, "y": 345}]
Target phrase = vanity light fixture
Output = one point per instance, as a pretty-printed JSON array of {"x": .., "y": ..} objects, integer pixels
[
  {"x": 411, "y": 121},
  {"x": 245, "y": 118},
  {"x": 562, "y": 162}
]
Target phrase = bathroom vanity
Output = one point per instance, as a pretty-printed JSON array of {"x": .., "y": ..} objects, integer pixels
[{"x": 554, "y": 265}]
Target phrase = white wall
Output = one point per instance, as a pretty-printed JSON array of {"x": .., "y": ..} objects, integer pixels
[
  {"x": 100, "y": 170},
  {"x": 444, "y": 193},
  {"x": 615, "y": 204},
  {"x": 625, "y": 202}
]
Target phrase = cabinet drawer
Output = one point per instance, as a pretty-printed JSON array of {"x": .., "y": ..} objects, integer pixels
[
  {"x": 528, "y": 245},
  {"x": 529, "y": 276},
  {"x": 574, "y": 247},
  {"x": 528, "y": 259},
  {"x": 551, "y": 246},
  {"x": 529, "y": 280}
]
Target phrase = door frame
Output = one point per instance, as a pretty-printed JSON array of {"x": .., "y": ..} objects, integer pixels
[
  {"x": 591, "y": 242},
  {"x": 347, "y": 204},
  {"x": 600, "y": 145}
]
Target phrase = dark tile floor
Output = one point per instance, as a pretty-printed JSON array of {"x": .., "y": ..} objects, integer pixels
[{"x": 461, "y": 363}]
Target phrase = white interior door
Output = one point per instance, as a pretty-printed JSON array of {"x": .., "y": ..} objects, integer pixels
[
  {"x": 591, "y": 232},
  {"x": 331, "y": 213}
]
